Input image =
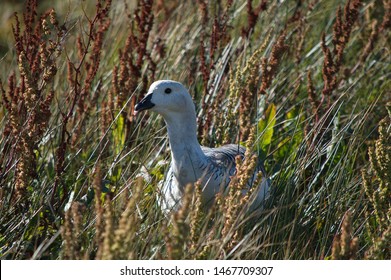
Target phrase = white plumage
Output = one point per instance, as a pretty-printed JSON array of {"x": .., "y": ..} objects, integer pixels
[{"x": 190, "y": 161}]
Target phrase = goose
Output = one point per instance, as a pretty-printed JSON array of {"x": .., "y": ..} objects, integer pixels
[{"x": 191, "y": 162}]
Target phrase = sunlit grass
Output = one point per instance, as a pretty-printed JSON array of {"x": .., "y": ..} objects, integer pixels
[{"x": 83, "y": 183}]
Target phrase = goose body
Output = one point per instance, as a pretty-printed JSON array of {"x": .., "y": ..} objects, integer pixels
[{"x": 190, "y": 161}]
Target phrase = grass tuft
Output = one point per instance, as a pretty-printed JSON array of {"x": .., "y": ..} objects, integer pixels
[{"x": 303, "y": 84}]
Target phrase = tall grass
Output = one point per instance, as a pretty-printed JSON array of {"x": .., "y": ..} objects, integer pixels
[{"x": 303, "y": 84}]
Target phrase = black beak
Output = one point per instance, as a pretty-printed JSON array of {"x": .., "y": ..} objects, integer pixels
[{"x": 144, "y": 104}]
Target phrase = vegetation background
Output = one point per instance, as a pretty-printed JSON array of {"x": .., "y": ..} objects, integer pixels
[{"x": 303, "y": 84}]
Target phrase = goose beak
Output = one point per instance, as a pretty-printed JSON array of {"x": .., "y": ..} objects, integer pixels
[{"x": 144, "y": 104}]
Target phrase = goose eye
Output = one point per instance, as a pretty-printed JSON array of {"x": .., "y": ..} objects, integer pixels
[{"x": 168, "y": 90}]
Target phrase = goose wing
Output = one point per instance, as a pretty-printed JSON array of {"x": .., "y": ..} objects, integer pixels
[{"x": 224, "y": 156}]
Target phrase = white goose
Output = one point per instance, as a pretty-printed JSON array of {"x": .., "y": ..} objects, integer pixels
[{"x": 190, "y": 161}]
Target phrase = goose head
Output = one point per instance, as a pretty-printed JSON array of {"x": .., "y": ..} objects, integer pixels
[{"x": 166, "y": 97}]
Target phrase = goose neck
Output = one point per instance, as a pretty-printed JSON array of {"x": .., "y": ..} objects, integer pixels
[{"x": 182, "y": 134}]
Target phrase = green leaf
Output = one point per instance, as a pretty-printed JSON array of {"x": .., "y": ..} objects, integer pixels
[
  {"x": 119, "y": 134},
  {"x": 290, "y": 144},
  {"x": 266, "y": 128}
]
